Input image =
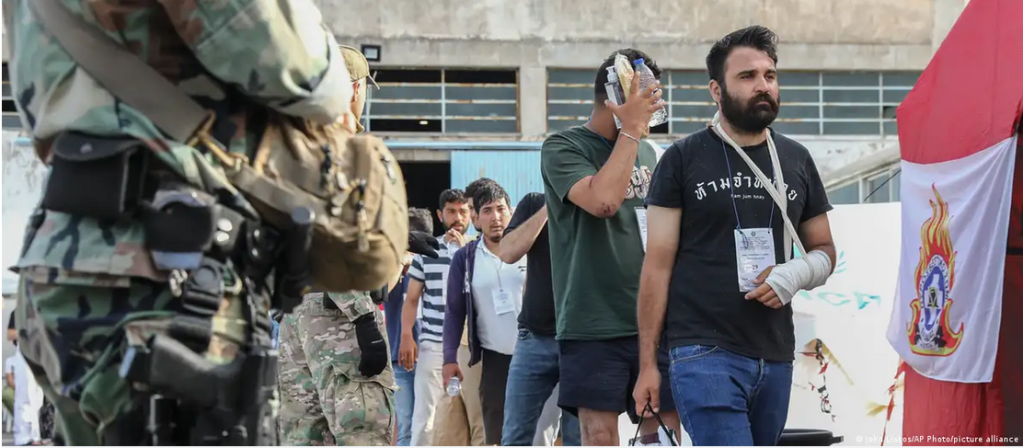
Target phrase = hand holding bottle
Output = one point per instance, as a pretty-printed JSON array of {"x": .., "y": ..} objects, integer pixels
[{"x": 641, "y": 104}]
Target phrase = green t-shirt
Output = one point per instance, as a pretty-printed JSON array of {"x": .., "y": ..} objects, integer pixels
[{"x": 595, "y": 262}]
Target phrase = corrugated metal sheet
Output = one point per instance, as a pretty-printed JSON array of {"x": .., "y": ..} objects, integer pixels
[{"x": 517, "y": 171}]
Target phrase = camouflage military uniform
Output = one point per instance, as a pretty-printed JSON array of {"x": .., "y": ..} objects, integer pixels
[
  {"x": 324, "y": 398},
  {"x": 82, "y": 280}
]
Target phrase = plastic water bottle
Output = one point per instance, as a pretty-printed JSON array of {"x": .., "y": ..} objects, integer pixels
[
  {"x": 614, "y": 92},
  {"x": 454, "y": 386},
  {"x": 647, "y": 79}
]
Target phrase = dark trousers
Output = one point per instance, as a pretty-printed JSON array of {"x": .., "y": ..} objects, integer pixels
[{"x": 493, "y": 382}]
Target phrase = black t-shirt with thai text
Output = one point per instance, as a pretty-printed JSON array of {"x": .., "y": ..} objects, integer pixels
[{"x": 702, "y": 175}]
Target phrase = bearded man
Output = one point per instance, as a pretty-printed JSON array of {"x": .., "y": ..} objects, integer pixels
[{"x": 717, "y": 278}]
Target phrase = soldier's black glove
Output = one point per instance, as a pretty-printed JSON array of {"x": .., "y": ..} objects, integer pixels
[
  {"x": 372, "y": 345},
  {"x": 423, "y": 243}
]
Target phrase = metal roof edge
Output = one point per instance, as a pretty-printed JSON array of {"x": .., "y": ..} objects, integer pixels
[{"x": 464, "y": 144}]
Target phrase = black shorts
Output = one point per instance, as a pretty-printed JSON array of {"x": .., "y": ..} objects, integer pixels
[{"x": 601, "y": 375}]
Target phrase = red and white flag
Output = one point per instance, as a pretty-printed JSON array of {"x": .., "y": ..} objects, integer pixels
[
  {"x": 957, "y": 136},
  {"x": 955, "y": 220}
]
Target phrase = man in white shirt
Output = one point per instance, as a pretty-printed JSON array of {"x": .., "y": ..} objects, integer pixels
[
  {"x": 28, "y": 399},
  {"x": 489, "y": 292}
]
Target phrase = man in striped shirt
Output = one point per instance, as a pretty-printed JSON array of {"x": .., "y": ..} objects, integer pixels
[{"x": 428, "y": 280}]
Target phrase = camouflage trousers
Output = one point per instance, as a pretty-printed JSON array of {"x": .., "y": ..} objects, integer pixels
[
  {"x": 324, "y": 400},
  {"x": 73, "y": 332}
]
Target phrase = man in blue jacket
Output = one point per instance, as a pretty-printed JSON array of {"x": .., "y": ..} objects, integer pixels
[{"x": 489, "y": 292}]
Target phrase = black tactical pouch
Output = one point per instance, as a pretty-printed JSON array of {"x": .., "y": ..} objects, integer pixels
[
  {"x": 94, "y": 176},
  {"x": 379, "y": 296}
]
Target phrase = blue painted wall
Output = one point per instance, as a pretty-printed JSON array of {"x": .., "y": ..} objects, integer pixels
[{"x": 517, "y": 171}]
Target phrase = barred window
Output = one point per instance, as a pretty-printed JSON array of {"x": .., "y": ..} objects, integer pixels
[
  {"x": 570, "y": 96},
  {"x": 813, "y": 103},
  {"x": 443, "y": 101},
  {"x": 10, "y": 111}
]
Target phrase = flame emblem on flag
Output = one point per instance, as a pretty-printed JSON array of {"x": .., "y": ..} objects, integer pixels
[{"x": 930, "y": 331}]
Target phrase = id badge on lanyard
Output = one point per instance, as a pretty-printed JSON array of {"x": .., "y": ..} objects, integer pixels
[
  {"x": 754, "y": 252},
  {"x": 503, "y": 303},
  {"x": 754, "y": 247}
]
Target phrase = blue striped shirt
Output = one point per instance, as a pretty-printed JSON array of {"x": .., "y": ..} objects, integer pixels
[{"x": 433, "y": 273}]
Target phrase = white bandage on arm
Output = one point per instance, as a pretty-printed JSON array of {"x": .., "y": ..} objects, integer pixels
[{"x": 803, "y": 273}]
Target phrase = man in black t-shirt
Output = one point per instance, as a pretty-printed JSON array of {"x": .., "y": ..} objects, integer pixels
[
  {"x": 720, "y": 271},
  {"x": 534, "y": 370}
]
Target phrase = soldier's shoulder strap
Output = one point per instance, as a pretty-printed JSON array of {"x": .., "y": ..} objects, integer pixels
[{"x": 122, "y": 73}]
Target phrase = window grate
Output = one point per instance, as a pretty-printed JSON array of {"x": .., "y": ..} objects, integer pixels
[
  {"x": 443, "y": 101},
  {"x": 813, "y": 103},
  {"x": 10, "y": 118}
]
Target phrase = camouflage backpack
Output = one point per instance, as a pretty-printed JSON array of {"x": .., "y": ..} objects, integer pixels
[{"x": 352, "y": 184}]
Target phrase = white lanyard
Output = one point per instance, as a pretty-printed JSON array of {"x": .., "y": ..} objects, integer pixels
[
  {"x": 778, "y": 194},
  {"x": 497, "y": 270},
  {"x": 496, "y": 263}
]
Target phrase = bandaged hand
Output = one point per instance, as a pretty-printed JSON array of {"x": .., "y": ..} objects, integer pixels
[{"x": 779, "y": 284}]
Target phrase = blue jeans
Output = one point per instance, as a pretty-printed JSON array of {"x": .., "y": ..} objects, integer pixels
[
  {"x": 404, "y": 402},
  {"x": 726, "y": 399},
  {"x": 532, "y": 376}
]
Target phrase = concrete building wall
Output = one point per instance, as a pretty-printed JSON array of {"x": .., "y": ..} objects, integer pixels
[
  {"x": 841, "y": 34},
  {"x": 535, "y": 35},
  {"x": 817, "y": 34}
]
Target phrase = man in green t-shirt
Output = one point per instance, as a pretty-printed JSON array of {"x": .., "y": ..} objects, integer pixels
[{"x": 596, "y": 179}]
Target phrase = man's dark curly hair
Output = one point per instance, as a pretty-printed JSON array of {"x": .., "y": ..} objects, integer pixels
[
  {"x": 474, "y": 186},
  {"x": 452, "y": 195},
  {"x": 488, "y": 193},
  {"x": 419, "y": 220},
  {"x": 756, "y": 37}
]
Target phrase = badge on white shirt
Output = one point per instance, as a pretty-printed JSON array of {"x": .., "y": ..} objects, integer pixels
[
  {"x": 754, "y": 252},
  {"x": 641, "y": 220},
  {"x": 503, "y": 302}
]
